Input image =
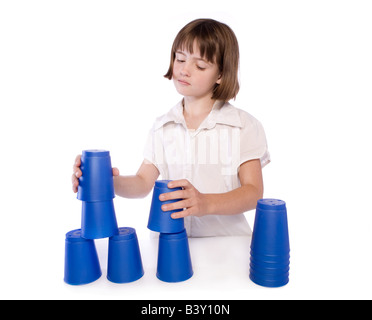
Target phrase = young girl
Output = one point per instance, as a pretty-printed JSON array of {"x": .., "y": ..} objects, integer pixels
[{"x": 211, "y": 149}]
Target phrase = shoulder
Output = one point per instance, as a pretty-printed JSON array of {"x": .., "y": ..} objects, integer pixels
[
  {"x": 173, "y": 115},
  {"x": 246, "y": 119}
]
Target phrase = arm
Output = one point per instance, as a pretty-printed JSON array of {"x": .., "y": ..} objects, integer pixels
[
  {"x": 139, "y": 185},
  {"x": 243, "y": 198},
  {"x": 236, "y": 201}
]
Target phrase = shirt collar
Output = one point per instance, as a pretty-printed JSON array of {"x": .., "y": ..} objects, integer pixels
[{"x": 221, "y": 113}]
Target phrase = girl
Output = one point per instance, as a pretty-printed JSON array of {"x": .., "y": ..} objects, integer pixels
[{"x": 211, "y": 149}]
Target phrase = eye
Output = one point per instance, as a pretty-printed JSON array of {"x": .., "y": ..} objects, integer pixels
[{"x": 200, "y": 68}]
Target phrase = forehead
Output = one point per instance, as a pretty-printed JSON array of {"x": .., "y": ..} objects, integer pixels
[
  {"x": 189, "y": 47},
  {"x": 195, "y": 55},
  {"x": 197, "y": 48}
]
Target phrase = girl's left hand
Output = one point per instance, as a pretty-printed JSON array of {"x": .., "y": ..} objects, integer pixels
[{"x": 193, "y": 201}]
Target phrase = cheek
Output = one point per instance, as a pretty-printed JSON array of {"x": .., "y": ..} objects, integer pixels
[
  {"x": 210, "y": 80},
  {"x": 176, "y": 69}
]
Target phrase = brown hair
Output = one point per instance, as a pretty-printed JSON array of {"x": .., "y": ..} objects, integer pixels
[{"x": 218, "y": 44}]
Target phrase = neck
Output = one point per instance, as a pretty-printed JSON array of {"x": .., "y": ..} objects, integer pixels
[
  {"x": 196, "y": 110},
  {"x": 197, "y": 107}
]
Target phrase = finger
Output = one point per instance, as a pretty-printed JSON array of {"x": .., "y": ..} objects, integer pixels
[
  {"x": 176, "y": 205},
  {"x": 181, "y": 214},
  {"x": 77, "y": 163},
  {"x": 179, "y": 194},
  {"x": 179, "y": 183},
  {"x": 115, "y": 171},
  {"x": 73, "y": 179},
  {"x": 78, "y": 173},
  {"x": 78, "y": 160},
  {"x": 75, "y": 183}
]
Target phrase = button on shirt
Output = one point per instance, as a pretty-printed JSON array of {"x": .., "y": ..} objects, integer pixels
[{"x": 209, "y": 157}]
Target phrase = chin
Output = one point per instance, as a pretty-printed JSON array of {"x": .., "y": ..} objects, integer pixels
[{"x": 182, "y": 91}]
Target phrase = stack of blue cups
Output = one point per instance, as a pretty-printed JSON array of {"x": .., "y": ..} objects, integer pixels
[
  {"x": 174, "y": 261},
  {"x": 98, "y": 220},
  {"x": 269, "y": 263},
  {"x": 96, "y": 191}
]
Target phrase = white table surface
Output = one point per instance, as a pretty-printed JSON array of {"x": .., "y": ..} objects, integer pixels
[{"x": 221, "y": 271}]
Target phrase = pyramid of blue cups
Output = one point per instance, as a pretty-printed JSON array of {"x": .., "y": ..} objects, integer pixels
[
  {"x": 98, "y": 220},
  {"x": 269, "y": 255}
]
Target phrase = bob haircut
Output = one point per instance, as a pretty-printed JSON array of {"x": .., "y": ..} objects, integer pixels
[{"x": 217, "y": 44}]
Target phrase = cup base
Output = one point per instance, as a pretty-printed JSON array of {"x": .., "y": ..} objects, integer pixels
[{"x": 268, "y": 282}]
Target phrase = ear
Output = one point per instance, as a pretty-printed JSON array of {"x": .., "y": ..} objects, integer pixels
[{"x": 219, "y": 79}]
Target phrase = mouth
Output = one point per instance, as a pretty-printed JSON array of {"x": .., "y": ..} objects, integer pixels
[{"x": 183, "y": 82}]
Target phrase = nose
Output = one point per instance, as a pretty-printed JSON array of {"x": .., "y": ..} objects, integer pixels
[{"x": 185, "y": 70}]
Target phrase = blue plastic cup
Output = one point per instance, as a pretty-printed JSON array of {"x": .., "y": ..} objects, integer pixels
[
  {"x": 174, "y": 261},
  {"x": 98, "y": 220},
  {"x": 81, "y": 259},
  {"x": 124, "y": 258},
  {"x": 269, "y": 263},
  {"x": 159, "y": 220},
  {"x": 96, "y": 182}
]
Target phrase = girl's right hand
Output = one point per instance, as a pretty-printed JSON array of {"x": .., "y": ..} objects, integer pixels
[{"x": 77, "y": 173}]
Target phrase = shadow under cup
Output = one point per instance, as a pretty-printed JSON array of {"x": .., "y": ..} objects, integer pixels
[{"x": 269, "y": 263}]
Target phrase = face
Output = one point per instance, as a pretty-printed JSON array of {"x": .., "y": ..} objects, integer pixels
[{"x": 194, "y": 76}]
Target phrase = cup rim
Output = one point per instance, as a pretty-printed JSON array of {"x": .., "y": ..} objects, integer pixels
[
  {"x": 173, "y": 236},
  {"x": 95, "y": 153}
]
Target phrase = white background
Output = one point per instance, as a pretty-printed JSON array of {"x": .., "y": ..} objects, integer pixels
[{"x": 76, "y": 75}]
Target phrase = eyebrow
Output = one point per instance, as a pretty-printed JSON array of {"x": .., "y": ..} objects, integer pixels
[{"x": 196, "y": 58}]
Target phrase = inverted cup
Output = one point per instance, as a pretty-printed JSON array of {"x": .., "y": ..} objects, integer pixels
[
  {"x": 96, "y": 182},
  {"x": 81, "y": 260},
  {"x": 124, "y": 258},
  {"x": 98, "y": 220},
  {"x": 159, "y": 220},
  {"x": 270, "y": 231},
  {"x": 269, "y": 262},
  {"x": 174, "y": 261}
]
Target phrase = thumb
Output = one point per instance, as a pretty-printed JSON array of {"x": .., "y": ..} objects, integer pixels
[{"x": 115, "y": 172}]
